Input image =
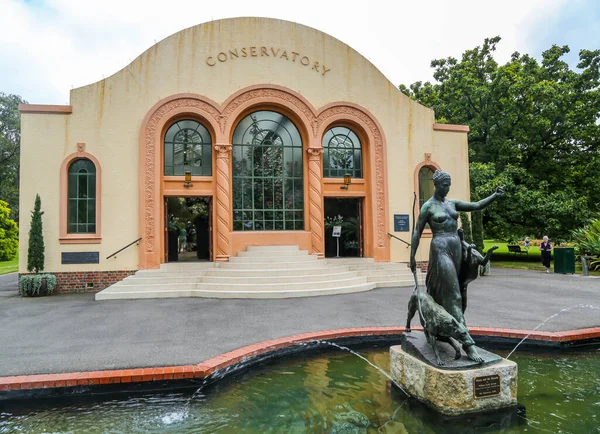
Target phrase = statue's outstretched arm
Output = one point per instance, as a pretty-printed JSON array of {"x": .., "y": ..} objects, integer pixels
[
  {"x": 476, "y": 206},
  {"x": 416, "y": 236}
]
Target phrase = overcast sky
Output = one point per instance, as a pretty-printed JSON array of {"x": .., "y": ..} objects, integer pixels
[{"x": 48, "y": 47}]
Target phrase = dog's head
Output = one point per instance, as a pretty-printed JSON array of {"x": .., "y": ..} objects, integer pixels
[{"x": 459, "y": 332}]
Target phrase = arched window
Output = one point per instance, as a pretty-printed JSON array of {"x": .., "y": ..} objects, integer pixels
[
  {"x": 188, "y": 146},
  {"x": 343, "y": 153},
  {"x": 268, "y": 184},
  {"x": 81, "y": 195},
  {"x": 426, "y": 188}
]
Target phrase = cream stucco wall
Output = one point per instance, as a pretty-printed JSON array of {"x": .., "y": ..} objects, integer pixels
[{"x": 108, "y": 115}]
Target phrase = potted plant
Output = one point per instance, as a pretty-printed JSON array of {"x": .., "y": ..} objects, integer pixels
[{"x": 36, "y": 284}]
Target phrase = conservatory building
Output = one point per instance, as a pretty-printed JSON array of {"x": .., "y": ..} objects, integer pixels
[{"x": 267, "y": 132}]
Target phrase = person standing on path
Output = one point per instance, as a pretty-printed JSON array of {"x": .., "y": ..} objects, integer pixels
[{"x": 546, "y": 249}]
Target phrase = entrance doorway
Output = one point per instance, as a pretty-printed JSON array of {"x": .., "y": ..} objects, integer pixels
[
  {"x": 188, "y": 229},
  {"x": 347, "y": 213}
]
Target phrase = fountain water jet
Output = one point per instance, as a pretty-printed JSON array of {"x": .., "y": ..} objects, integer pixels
[{"x": 589, "y": 306}]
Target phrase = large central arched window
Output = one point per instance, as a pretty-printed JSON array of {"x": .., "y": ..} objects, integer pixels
[{"x": 268, "y": 186}]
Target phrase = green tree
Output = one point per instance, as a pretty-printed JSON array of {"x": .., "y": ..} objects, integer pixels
[
  {"x": 35, "y": 251},
  {"x": 465, "y": 223},
  {"x": 10, "y": 140},
  {"x": 477, "y": 230},
  {"x": 535, "y": 127},
  {"x": 9, "y": 234}
]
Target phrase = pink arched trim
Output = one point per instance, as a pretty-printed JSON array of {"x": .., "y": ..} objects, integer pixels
[
  {"x": 221, "y": 119},
  {"x": 63, "y": 236}
]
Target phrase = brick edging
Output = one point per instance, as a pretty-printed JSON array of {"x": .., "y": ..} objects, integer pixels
[{"x": 210, "y": 366}]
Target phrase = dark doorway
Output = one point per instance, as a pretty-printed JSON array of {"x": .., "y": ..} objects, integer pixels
[
  {"x": 188, "y": 228},
  {"x": 347, "y": 213}
]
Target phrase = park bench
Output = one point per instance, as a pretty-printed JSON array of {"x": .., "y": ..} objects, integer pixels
[{"x": 516, "y": 249}]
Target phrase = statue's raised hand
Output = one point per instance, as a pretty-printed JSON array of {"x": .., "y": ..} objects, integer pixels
[{"x": 500, "y": 190}]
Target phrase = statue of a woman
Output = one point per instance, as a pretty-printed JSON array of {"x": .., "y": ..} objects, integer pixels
[{"x": 445, "y": 253}]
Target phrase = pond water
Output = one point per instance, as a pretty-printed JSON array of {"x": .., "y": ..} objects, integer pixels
[{"x": 325, "y": 392}]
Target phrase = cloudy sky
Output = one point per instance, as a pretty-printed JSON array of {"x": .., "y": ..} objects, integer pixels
[{"x": 48, "y": 47}]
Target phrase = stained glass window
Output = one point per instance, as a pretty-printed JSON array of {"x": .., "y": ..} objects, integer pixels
[
  {"x": 268, "y": 182},
  {"x": 343, "y": 153},
  {"x": 81, "y": 197},
  {"x": 188, "y": 146}
]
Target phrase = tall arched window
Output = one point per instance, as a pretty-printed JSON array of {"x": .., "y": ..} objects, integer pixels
[
  {"x": 81, "y": 207},
  {"x": 343, "y": 153},
  {"x": 188, "y": 146},
  {"x": 268, "y": 184},
  {"x": 426, "y": 188}
]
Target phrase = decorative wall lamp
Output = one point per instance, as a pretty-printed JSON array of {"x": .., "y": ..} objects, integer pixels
[
  {"x": 188, "y": 179},
  {"x": 347, "y": 182}
]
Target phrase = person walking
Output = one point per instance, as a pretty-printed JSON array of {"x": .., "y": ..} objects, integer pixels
[
  {"x": 546, "y": 249},
  {"x": 527, "y": 243}
]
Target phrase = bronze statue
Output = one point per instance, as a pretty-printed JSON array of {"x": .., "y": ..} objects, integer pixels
[{"x": 443, "y": 280}]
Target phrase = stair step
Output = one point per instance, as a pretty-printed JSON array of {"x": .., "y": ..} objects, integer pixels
[
  {"x": 271, "y": 254},
  {"x": 120, "y": 294},
  {"x": 272, "y": 249},
  {"x": 257, "y": 272},
  {"x": 275, "y": 286},
  {"x": 271, "y": 259},
  {"x": 283, "y": 279},
  {"x": 271, "y": 265}
]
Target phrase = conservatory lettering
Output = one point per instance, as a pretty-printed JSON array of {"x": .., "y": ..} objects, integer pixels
[{"x": 278, "y": 53}]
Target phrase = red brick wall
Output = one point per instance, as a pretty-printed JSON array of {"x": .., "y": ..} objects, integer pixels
[{"x": 88, "y": 281}]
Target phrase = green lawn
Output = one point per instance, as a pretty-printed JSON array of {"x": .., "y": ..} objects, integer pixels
[
  {"x": 503, "y": 249},
  {"x": 9, "y": 266},
  {"x": 531, "y": 261}
]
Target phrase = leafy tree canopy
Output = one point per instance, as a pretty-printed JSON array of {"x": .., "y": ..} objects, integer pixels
[
  {"x": 535, "y": 127},
  {"x": 10, "y": 141},
  {"x": 9, "y": 234}
]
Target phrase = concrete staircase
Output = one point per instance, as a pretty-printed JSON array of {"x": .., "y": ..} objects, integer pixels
[{"x": 261, "y": 272}]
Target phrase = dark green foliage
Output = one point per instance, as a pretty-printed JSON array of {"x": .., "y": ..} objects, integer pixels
[
  {"x": 10, "y": 141},
  {"x": 9, "y": 234},
  {"x": 477, "y": 229},
  {"x": 535, "y": 127},
  {"x": 587, "y": 242},
  {"x": 466, "y": 226},
  {"x": 35, "y": 251},
  {"x": 31, "y": 284}
]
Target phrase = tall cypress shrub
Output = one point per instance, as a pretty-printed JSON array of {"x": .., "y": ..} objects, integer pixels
[
  {"x": 477, "y": 217},
  {"x": 35, "y": 251},
  {"x": 465, "y": 223}
]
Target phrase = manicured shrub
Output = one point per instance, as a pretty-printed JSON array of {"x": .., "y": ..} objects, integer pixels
[
  {"x": 33, "y": 284},
  {"x": 35, "y": 251}
]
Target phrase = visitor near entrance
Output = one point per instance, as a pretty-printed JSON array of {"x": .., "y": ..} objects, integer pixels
[
  {"x": 182, "y": 240},
  {"x": 546, "y": 249}
]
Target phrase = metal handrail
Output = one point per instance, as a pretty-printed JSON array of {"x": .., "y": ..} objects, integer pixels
[
  {"x": 399, "y": 239},
  {"x": 120, "y": 250}
]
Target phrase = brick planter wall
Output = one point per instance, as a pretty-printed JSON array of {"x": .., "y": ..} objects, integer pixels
[{"x": 87, "y": 281}]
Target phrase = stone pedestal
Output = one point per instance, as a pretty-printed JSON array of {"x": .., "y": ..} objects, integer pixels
[{"x": 456, "y": 390}]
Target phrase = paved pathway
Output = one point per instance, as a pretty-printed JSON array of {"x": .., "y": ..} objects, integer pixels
[
  {"x": 8, "y": 285},
  {"x": 67, "y": 333}
]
